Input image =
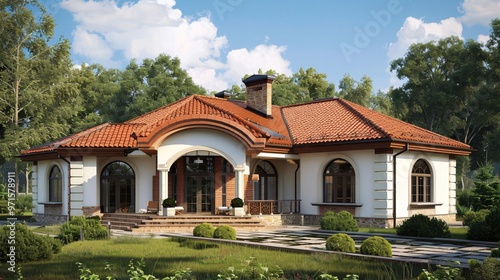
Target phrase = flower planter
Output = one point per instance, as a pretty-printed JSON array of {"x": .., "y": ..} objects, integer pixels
[{"x": 169, "y": 211}]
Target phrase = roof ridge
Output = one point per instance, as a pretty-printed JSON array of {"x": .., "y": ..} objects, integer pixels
[
  {"x": 72, "y": 137},
  {"x": 175, "y": 103},
  {"x": 253, "y": 126},
  {"x": 348, "y": 105}
]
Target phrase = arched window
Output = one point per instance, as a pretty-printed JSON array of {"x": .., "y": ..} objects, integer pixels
[
  {"x": 421, "y": 182},
  {"x": 117, "y": 188},
  {"x": 267, "y": 185},
  {"x": 339, "y": 182},
  {"x": 55, "y": 184}
]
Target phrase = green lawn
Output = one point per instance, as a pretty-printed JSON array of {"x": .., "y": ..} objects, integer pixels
[{"x": 165, "y": 256}]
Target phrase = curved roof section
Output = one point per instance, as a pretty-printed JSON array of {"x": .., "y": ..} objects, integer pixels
[
  {"x": 338, "y": 120},
  {"x": 201, "y": 108}
]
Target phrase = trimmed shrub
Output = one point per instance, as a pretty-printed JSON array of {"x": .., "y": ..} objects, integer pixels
[
  {"x": 92, "y": 229},
  {"x": 168, "y": 202},
  {"x": 342, "y": 221},
  {"x": 487, "y": 229},
  {"x": 225, "y": 232},
  {"x": 24, "y": 203},
  {"x": 29, "y": 246},
  {"x": 341, "y": 242},
  {"x": 236, "y": 202},
  {"x": 472, "y": 216},
  {"x": 422, "y": 226},
  {"x": 376, "y": 246},
  {"x": 488, "y": 269},
  {"x": 204, "y": 230}
]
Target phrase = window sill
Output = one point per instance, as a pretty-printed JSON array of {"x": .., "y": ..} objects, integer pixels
[
  {"x": 425, "y": 204},
  {"x": 336, "y": 204},
  {"x": 50, "y": 203}
]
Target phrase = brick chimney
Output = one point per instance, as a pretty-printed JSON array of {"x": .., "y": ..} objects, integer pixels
[{"x": 259, "y": 93}]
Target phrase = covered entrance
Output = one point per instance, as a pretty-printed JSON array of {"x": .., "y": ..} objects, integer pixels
[
  {"x": 117, "y": 188},
  {"x": 200, "y": 184}
]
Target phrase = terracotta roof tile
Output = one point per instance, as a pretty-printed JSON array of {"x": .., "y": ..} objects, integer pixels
[
  {"x": 338, "y": 120},
  {"x": 325, "y": 121}
]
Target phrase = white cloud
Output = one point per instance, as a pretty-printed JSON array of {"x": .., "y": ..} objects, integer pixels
[
  {"x": 417, "y": 31},
  {"x": 479, "y": 11},
  {"x": 483, "y": 38},
  {"x": 265, "y": 57},
  {"x": 111, "y": 35}
]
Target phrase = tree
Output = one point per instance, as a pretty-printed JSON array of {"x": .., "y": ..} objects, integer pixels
[
  {"x": 313, "y": 84},
  {"x": 148, "y": 86},
  {"x": 486, "y": 193},
  {"x": 381, "y": 102},
  {"x": 35, "y": 95},
  {"x": 445, "y": 90},
  {"x": 357, "y": 92},
  {"x": 96, "y": 86}
]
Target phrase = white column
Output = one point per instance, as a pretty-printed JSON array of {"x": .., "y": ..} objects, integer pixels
[
  {"x": 453, "y": 187},
  {"x": 34, "y": 187},
  {"x": 163, "y": 189},
  {"x": 240, "y": 178},
  {"x": 76, "y": 185}
]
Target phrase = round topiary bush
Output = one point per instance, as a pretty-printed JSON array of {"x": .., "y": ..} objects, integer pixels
[
  {"x": 376, "y": 246},
  {"x": 340, "y": 242},
  {"x": 485, "y": 228},
  {"x": 204, "y": 230},
  {"x": 225, "y": 232},
  {"x": 422, "y": 226},
  {"x": 342, "y": 221},
  {"x": 236, "y": 202}
]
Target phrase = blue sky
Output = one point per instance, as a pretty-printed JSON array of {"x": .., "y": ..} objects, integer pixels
[{"x": 219, "y": 41}]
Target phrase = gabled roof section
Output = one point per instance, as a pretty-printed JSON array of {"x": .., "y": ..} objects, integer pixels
[{"x": 337, "y": 121}]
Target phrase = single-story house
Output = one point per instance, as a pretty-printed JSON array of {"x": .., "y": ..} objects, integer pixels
[{"x": 302, "y": 159}]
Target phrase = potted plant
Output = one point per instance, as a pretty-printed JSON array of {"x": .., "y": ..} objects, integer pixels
[
  {"x": 169, "y": 206},
  {"x": 237, "y": 205}
]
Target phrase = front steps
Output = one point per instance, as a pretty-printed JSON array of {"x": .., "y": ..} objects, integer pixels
[{"x": 180, "y": 223}]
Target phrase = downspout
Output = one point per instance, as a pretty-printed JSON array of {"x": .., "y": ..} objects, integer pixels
[
  {"x": 69, "y": 186},
  {"x": 296, "y": 170},
  {"x": 407, "y": 148}
]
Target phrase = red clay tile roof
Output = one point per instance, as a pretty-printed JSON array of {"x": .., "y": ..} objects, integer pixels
[
  {"x": 325, "y": 121},
  {"x": 102, "y": 136},
  {"x": 338, "y": 120}
]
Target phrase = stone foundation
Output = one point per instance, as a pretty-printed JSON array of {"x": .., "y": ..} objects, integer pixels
[
  {"x": 92, "y": 211},
  {"x": 49, "y": 219}
]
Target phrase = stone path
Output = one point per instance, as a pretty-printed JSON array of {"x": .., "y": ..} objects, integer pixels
[{"x": 297, "y": 238}]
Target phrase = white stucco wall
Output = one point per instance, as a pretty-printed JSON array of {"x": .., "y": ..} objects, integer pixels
[
  {"x": 440, "y": 168},
  {"x": 144, "y": 168},
  {"x": 367, "y": 181},
  {"x": 43, "y": 184},
  {"x": 311, "y": 179}
]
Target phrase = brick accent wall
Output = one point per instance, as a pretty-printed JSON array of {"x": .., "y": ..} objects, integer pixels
[{"x": 156, "y": 186}]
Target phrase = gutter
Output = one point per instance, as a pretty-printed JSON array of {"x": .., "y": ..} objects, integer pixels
[
  {"x": 296, "y": 170},
  {"x": 69, "y": 185},
  {"x": 407, "y": 148}
]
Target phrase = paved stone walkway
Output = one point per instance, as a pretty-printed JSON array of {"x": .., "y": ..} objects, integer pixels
[{"x": 297, "y": 238}]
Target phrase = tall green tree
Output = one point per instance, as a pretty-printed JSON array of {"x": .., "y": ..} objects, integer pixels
[
  {"x": 148, "y": 86},
  {"x": 357, "y": 92},
  {"x": 313, "y": 84},
  {"x": 96, "y": 86},
  {"x": 444, "y": 89},
  {"x": 35, "y": 95}
]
